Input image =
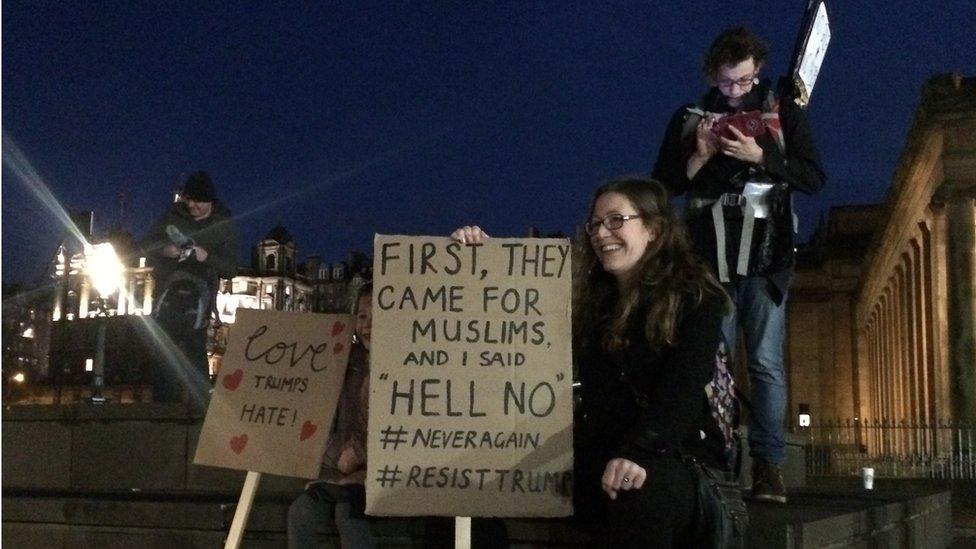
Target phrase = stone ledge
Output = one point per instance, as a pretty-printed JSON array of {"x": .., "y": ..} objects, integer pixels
[{"x": 813, "y": 518}]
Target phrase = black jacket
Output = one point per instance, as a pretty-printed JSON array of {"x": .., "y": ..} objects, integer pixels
[
  {"x": 645, "y": 400},
  {"x": 798, "y": 166},
  {"x": 216, "y": 234}
]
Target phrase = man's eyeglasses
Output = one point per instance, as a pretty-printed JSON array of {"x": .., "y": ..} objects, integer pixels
[
  {"x": 611, "y": 222},
  {"x": 743, "y": 82}
]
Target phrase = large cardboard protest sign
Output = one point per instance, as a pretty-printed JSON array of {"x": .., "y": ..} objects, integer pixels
[
  {"x": 276, "y": 395},
  {"x": 471, "y": 378}
]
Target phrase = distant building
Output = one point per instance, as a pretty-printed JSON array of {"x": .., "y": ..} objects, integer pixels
[
  {"x": 75, "y": 309},
  {"x": 26, "y": 336},
  {"x": 882, "y": 318},
  {"x": 820, "y": 360},
  {"x": 277, "y": 281}
]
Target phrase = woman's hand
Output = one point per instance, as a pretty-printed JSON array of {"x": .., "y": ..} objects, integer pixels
[
  {"x": 470, "y": 235},
  {"x": 622, "y": 474},
  {"x": 742, "y": 147},
  {"x": 348, "y": 461},
  {"x": 706, "y": 145}
]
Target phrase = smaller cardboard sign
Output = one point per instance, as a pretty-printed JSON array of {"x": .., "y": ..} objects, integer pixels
[{"x": 275, "y": 398}]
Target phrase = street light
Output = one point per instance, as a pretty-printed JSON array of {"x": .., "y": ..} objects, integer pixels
[{"x": 105, "y": 271}]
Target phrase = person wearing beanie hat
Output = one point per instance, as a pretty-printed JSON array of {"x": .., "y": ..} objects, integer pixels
[
  {"x": 190, "y": 247},
  {"x": 199, "y": 187}
]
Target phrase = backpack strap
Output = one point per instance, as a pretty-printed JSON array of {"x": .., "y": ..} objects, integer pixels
[{"x": 770, "y": 108}]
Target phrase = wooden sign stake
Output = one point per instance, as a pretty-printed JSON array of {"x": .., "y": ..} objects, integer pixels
[
  {"x": 462, "y": 532},
  {"x": 243, "y": 511}
]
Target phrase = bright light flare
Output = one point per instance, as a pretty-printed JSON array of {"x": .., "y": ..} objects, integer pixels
[
  {"x": 104, "y": 268},
  {"x": 19, "y": 377},
  {"x": 15, "y": 159}
]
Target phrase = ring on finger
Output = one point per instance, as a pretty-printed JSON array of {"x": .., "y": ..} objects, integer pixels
[{"x": 626, "y": 480}]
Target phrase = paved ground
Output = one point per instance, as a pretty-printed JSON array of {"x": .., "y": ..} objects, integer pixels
[{"x": 963, "y": 528}]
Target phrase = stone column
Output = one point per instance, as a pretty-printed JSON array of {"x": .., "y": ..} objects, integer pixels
[
  {"x": 961, "y": 252},
  {"x": 83, "y": 298},
  {"x": 122, "y": 302},
  {"x": 147, "y": 295}
]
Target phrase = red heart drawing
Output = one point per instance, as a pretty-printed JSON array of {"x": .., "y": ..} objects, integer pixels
[
  {"x": 338, "y": 348},
  {"x": 237, "y": 444},
  {"x": 308, "y": 429},
  {"x": 231, "y": 381},
  {"x": 337, "y": 328}
]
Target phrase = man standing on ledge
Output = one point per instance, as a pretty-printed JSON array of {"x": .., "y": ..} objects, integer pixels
[
  {"x": 191, "y": 246},
  {"x": 739, "y": 153}
]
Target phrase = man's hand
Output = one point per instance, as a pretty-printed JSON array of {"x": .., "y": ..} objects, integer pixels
[
  {"x": 742, "y": 147},
  {"x": 200, "y": 254},
  {"x": 171, "y": 251},
  {"x": 622, "y": 474}
]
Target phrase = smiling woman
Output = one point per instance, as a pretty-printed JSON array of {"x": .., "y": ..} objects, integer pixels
[
  {"x": 647, "y": 318},
  {"x": 647, "y": 328}
]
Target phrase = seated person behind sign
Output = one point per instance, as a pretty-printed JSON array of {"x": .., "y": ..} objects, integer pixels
[
  {"x": 647, "y": 319},
  {"x": 339, "y": 493}
]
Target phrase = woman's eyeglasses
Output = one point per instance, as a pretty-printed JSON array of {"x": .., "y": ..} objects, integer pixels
[
  {"x": 611, "y": 222},
  {"x": 743, "y": 82}
]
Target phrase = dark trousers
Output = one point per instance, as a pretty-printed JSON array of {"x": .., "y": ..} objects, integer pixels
[
  {"x": 182, "y": 364},
  {"x": 660, "y": 514}
]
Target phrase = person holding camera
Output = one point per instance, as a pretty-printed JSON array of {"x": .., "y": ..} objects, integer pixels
[
  {"x": 739, "y": 153},
  {"x": 191, "y": 246}
]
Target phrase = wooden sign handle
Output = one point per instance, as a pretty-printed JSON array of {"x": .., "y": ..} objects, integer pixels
[
  {"x": 462, "y": 532},
  {"x": 244, "y": 504}
]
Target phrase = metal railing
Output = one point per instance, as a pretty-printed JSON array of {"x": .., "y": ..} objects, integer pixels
[{"x": 902, "y": 449}]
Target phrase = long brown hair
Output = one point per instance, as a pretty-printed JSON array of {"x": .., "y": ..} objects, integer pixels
[{"x": 668, "y": 274}]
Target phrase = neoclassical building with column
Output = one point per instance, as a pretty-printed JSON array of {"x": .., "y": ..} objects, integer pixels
[{"x": 886, "y": 331}]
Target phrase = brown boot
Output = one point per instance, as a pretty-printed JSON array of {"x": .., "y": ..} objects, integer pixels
[{"x": 767, "y": 482}]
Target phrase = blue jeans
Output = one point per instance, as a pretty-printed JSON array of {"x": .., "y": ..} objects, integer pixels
[
  {"x": 764, "y": 328},
  {"x": 322, "y": 504}
]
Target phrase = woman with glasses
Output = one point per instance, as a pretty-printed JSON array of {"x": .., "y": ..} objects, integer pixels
[
  {"x": 647, "y": 318},
  {"x": 739, "y": 154}
]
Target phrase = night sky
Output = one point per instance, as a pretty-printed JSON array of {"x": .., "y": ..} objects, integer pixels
[{"x": 343, "y": 120}]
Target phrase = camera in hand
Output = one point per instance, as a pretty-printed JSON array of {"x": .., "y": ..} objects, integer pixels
[
  {"x": 749, "y": 123},
  {"x": 184, "y": 242},
  {"x": 187, "y": 251}
]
